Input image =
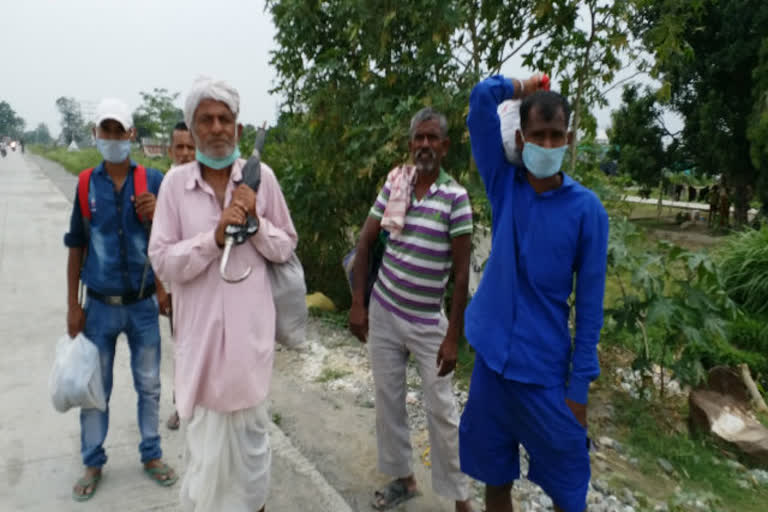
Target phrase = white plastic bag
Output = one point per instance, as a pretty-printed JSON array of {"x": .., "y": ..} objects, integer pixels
[
  {"x": 75, "y": 379},
  {"x": 509, "y": 115},
  {"x": 289, "y": 292}
]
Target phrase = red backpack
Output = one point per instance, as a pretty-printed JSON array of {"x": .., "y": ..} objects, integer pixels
[{"x": 84, "y": 183}]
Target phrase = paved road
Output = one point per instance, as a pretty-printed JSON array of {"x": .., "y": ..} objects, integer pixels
[{"x": 39, "y": 448}]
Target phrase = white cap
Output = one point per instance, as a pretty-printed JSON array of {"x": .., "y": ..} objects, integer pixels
[{"x": 112, "y": 108}]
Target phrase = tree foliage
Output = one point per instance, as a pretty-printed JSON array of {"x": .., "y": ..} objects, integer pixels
[
  {"x": 40, "y": 135},
  {"x": 11, "y": 124},
  {"x": 158, "y": 114},
  {"x": 353, "y": 72},
  {"x": 707, "y": 53},
  {"x": 636, "y": 137},
  {"x": 72, "y": 123}
]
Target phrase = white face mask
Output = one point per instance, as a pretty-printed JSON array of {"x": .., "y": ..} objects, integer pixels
[
  {"x": 114, "y": 151},
  {"x": 543, "y": 162}
]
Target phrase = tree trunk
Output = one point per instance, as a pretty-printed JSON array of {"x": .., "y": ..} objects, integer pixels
[
  {"x": 580, "y": 84},
  {"x": 575, "y": 127},
  {"x": 741, "y": 206}
]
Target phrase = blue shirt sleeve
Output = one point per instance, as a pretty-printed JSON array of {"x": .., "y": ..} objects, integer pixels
[
  {"x": 76, "y": 237},
  {"x": 591, "y": 266},
  {"x": 485, "y": 129}
]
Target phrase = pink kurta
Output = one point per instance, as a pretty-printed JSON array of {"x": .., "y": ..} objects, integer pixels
[{"x": 224, "y": 332}]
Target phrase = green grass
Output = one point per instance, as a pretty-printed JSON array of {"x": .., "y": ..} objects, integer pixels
[
  {"x": 76, "y": 161},
  {"x": 651, "y": 431},
  {"x": 329, "y": 374}
]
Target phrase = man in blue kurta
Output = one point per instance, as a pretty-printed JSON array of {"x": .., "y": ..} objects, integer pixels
[{"x": 531, "y": 376}]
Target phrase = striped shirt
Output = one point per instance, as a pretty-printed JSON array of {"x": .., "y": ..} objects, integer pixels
[{"x": 417, "y": 262}]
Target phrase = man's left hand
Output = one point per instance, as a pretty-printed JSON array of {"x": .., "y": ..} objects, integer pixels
[
  {"x": 245, "y": 197},
  {"x": 145, "y": 205},
  {"x": 579, "y": 411},
  {"x": 447, "y": 356}
]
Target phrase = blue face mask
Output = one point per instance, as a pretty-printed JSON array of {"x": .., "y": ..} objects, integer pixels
[
  {"x": 543, "y": 162},
  {"x": 114, "y": 151},
  {"x": 217, "y": 163}
]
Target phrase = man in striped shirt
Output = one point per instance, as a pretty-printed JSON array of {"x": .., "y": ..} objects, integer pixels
[{"x": 406, "y": 313}]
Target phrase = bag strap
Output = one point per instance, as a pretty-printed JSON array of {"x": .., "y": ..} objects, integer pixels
[
  {"x": 139, "y": 184},
  {"x": 83, "y": 184}
]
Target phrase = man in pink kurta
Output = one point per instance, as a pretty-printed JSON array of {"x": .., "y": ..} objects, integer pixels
[{"x": 225, "y": 332}]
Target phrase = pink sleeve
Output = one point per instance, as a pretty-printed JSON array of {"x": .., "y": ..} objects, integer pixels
[
  {"x": 276, "y": 239},
  {"x": 174, "y": 259}
]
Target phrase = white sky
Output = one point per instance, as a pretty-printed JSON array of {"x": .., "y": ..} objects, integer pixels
[{"x": 90, "y": 49}]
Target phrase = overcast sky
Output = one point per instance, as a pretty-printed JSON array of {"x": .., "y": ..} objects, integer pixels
[{"x": 90, "y": 49}]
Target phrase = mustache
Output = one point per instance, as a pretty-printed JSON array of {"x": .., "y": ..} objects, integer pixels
[{"x": 426, "y": 152}]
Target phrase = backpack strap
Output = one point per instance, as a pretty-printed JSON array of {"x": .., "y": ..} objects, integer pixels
[
  {"x": 83, "y": 184},
  {"x": 139, "y": 184}
]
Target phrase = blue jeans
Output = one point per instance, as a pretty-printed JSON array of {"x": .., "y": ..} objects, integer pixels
[{"x": 139, "y": 322}]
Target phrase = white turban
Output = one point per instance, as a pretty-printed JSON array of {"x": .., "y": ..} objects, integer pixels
[{"x": 208, "y": 88}]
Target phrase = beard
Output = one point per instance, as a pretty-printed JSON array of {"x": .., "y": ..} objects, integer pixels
[{"x": 425, "y": 160}]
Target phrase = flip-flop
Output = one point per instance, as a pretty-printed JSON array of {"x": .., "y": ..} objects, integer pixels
[
  {"x": 392, "y": 495},
  {"x": 84, "y": 483},
  {"x": 165, "y": 469}
]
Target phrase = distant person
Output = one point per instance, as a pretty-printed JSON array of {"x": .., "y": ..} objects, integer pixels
[
  {"x": 182, "y": 148},
  {"x": 109, "y": 254},
  {"x": 181, "y": 151}
]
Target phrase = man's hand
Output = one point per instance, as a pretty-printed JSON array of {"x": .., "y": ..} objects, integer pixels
[
  {"x": 358, "y": 322},
  {"x": 232, "y": 214},
  {"x": 245, "y": 197},
  {"x": 75, "y": 320},
  {"x": 578, "y": 410},
  {"x": 145, "y": 205},
  {"x": 535, "y": 83},
  {"x": 447, "y": 356},
  {"x": 163, "y": 302}
]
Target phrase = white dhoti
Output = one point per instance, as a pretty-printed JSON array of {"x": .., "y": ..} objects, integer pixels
[{"x": 228, "y": 460}]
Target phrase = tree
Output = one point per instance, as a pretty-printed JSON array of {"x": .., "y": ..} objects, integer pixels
[
  {"x": 40, "y": 135},
  {"x": 585, "y": 59},
  {"x": 10, "y": 124},
  {"x": 636, "y": 137},
  {"x": 707, "y": 54},
  {"x": 72, "y": 124},
  {"x": 158, "y": 114}
]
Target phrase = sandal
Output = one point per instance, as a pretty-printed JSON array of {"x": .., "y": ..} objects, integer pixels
[
  {"x": 84, "y": 483},
  {"x": 164, "y": 470},
  {"x": 392, "y": 495}
]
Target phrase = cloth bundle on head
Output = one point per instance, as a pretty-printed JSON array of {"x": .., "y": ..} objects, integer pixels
[
  {"x": 208, "y": 88},
  {"x": 400, "y": 182}
]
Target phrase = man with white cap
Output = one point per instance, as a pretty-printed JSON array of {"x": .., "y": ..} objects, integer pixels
[
  {"x": 225, "y": 332},
  {"x": 107, "y": 241}
]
